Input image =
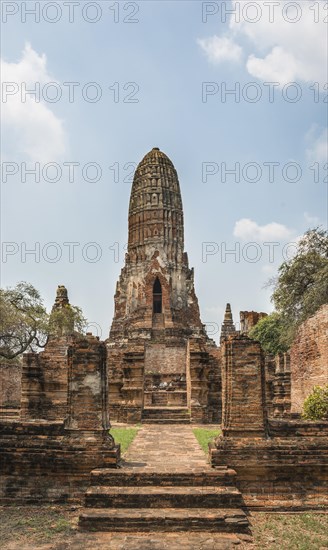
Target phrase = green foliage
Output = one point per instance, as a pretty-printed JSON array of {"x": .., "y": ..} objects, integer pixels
[
  {"x": 25, "y": 324},
  {"x": 204, "y": 436},
  {"x": 270, "y": 332},
  {"x": 315, "y": 406},
  {"x": 302, "y": 283},
  {"x": 23, "y": 320},
  {"x": 65, "y": 320},
  {"x": 124, "y": 436}
]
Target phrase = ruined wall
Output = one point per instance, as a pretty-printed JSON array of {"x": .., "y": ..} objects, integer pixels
[
  {"x": 279, "y": 464},
  {"x": 289, "y": 470},
  {"x": 309, "y": 358},
  {"x": 248, "y": 319},
  {"x": 165, "y": 359},
  {"x": 10, "y": 389},
  {"x": 45, "y": 381},
  {"x": 52, "y": 461}
]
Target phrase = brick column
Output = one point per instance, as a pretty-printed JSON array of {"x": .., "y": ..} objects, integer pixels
[
  {"x": 87, "y": 386},
  {"x": 243, "y": 396}
]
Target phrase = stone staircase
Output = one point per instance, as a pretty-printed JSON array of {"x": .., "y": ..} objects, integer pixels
[
  {"x": 166, "y": 415},
  {"x": 132, "y": 501}
]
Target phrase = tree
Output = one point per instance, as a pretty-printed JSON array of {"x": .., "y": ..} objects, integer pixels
[
  {"x": 315, "y": 406},
  {"x": 270, "y": 332},
  {"x": 25, "y": 324},
  {"x": 302, "y": 283}
]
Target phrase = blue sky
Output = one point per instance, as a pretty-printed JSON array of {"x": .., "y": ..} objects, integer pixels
[{"x": 162, "y": 82}]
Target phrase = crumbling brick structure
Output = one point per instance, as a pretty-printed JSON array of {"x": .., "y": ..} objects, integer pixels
[
  {"x": 309, "y": 358},
  {"x": 64, "y": 431},
  {"x": 274, "y": 459},
  {"x": 162, "y": 366}
]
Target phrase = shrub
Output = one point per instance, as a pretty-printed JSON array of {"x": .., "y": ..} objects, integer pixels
[{"x": 315, "y": 406}]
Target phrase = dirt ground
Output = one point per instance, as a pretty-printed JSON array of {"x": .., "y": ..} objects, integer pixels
[{"x": 56, "y": 528}]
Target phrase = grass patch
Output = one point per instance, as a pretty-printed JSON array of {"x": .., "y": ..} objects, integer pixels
[
  {"x": 304, "y": 531},
  {"x": 41, "y": 524},
  {"x": 124, "y": 436},
  {"x": 204, "y": 436}
]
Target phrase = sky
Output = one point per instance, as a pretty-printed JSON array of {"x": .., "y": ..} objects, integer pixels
[{"x": 235, "y": 93}]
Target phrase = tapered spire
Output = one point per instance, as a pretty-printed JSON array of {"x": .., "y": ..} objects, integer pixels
[
  {"x": 227, "y": 326},
  {"x": 155, "y": 211}
]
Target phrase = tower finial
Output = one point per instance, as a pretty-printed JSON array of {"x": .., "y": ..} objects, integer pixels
[{"x": 227, "y": 326}]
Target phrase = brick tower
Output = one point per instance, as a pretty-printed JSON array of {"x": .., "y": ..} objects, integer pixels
[{"x": 162, "y": 366}]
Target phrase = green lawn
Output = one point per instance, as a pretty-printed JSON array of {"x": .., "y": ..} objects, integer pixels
[
  {"x": 204, "y": 436},
  {"x": 124, "y": 436}
]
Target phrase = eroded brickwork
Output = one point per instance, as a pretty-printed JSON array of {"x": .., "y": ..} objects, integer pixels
[
  {"x": 45, "y": 381},
  {"x": 157, "y": 341},
  {"x": 280, "y": 464},
  {"x": 248, "y": 320},
  {"x": 243, "y": 407},
  {"x": 309, "y": 358},
  {"x": 43, "y": 460},
  {"x": 10, "y": 389}
]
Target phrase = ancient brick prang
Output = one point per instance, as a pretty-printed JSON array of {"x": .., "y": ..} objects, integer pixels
[{"x": 157, "y": 320}]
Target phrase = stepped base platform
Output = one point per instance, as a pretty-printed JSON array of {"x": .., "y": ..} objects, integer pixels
[
  {"x": 165, "y": 485},
  {"x": 162, "y": 497}
]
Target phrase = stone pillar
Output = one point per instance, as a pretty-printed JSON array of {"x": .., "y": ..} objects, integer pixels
[
  {"x": 87, "y": 423},
  {"x": 87, "y": 386},
  {"x": 243, "y": 395}
]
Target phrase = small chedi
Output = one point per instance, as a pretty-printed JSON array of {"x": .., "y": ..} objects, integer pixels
[{"x": 159, "y": 365}]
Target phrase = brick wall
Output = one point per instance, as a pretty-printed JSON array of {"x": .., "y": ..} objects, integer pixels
[
  {"x": 10, "y": 385},
  {"x": 163, "y": 359},
  {"x": 309, "y": 358}
]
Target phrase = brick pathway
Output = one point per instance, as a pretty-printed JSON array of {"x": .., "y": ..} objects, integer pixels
[
  {"x": 160, "y": 452},
  {"x": 166, "y": 448}
]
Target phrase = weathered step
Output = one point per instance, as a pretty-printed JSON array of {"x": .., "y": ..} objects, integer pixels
[
  {"x": 182, "y": 420},
  {"x": 163, "y": 497},
  {"x": 165, "y": 519},
  {"x": 168, "y": 411},
  {"x": 127, "y": 478},
  {"x": 166, "y": 415}
]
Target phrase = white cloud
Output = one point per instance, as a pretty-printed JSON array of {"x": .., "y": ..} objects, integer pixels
[
  {"x": 317, "y": 150},
  {"x": 248, "y": 230},
  {"x": 32, "y": 130},
  {"x": 220, "y": 49},
  {"x": 278, "y": 66},
  {"x": 281, "y": 51}
]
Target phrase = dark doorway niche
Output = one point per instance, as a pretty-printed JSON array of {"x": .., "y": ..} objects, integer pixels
[{"x": 157, "y": 296}]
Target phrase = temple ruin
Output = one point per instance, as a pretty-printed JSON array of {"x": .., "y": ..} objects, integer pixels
[{"x": 159, "y": 366}]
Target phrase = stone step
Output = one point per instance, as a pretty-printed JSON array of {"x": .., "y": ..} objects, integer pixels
[
  {"x": 163, "y": 497},
  {"x": 165, "y": 519},
  {"x": 182, "y": 420},
  {"x": 122, "y": 477},
  {"x": 168, "y": 412}
]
